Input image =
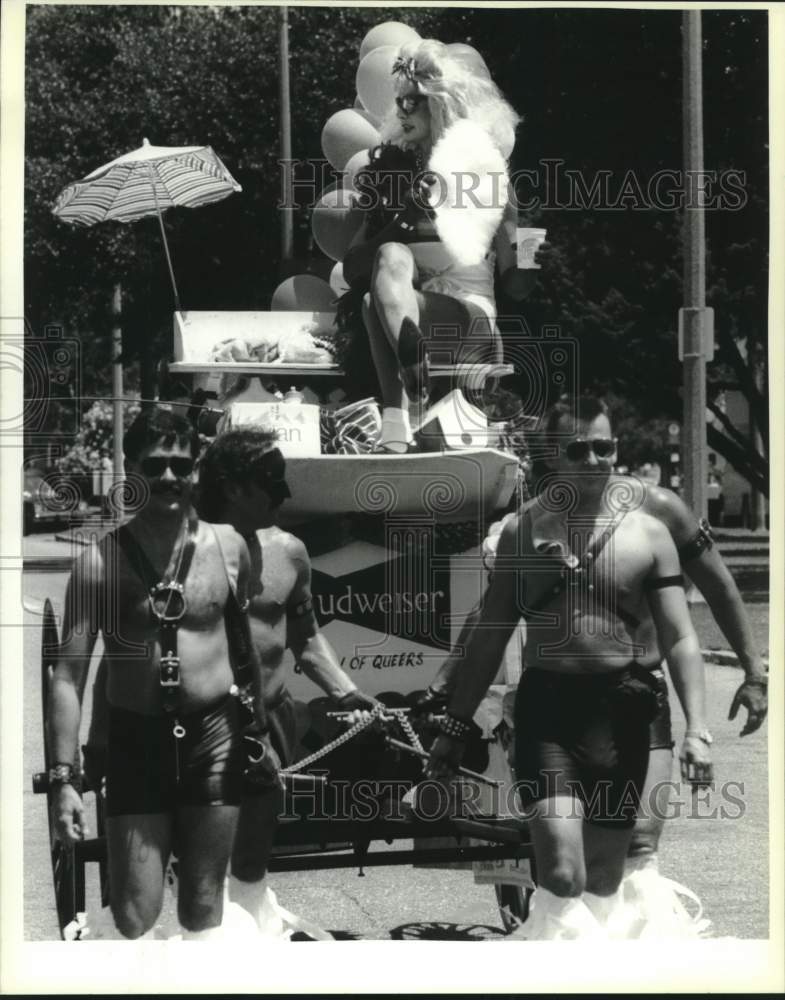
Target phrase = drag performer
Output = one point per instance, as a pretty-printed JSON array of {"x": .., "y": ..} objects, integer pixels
[
  {"x": 422, "y": 264},
  {"x": 588, "y": 576},
  {"x": 156, "y": 590},
  {"x": 241, "y": 482}
]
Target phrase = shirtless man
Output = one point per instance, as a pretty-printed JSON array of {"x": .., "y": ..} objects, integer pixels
[
  {"x": 586, "y": 699},
  {"x": 241, "y": 481},
  {"x": 175, "y": 757},
  {"x": 703, "y": 563}
]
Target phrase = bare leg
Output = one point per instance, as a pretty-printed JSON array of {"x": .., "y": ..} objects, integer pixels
[
  {"x": 204, "y": 837},
  {"x": 605, "y": 849},
  {"x": 138, "y": 848},
  {"x": 557, "y": 837},
  {"x": 392, "y": 290},
  {"x": 655, "y": 799}
]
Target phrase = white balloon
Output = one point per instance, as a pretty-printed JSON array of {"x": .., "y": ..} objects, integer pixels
[
  {"x": 389, "y": 33},
  {"x": 344, "y": 134},
  {"x": 469, "y": 57},
  {"x": 337, "y": 281},
  {"x": 375, "y": 81}
]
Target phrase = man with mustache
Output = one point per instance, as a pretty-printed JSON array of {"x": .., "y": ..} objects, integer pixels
[
  {"x": 157, "y": 590},
  {"x": 702, "y": 562},
  {"x": 242, "y": 482},
  {"x": 598, "y": 582}
]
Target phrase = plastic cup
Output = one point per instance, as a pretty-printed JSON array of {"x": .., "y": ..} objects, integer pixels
[{"x": 528, "y": 242}]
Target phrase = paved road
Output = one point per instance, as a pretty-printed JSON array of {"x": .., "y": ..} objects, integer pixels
[{"x": 724, "y": 860}]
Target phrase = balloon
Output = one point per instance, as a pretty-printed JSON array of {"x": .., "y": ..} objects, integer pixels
[
  {"x": 303, "y": 293},
  {"x": 354, "y": 166},
  {"x": 346, "y": 133},
  {"x": 469, "y": 57},
  {"x": 375, "y": 82},
  {"x": 388, "y": 33},
  {"x": 371, "y": 119},
  {"x": 335, "y": 221},
  {"x": 337, "y": 281}
]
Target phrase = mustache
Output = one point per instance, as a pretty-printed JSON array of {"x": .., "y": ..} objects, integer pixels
[{"x": 167, "y": 489}]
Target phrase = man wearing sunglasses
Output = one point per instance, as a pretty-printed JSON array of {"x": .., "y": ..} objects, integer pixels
[
  {"x": 704, "y": 565},
  {"x": 242, "y": 482},
  {"x": 156, "y": 590},
  {"x": 588, "y": 570}
]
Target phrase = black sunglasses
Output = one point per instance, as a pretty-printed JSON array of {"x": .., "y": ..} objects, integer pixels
[
  {"x": 156, "y": 465},
  {"x": 410, "y": 102},
  {"x": 578, "y": 450}
]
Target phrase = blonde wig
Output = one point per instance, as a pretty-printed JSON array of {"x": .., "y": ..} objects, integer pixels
[{"x": 454, "y": 93}]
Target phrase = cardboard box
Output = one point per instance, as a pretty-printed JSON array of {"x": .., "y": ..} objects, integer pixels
[
  {"x": 297, "y": 424},
  {"x": 453, "y": 423}
]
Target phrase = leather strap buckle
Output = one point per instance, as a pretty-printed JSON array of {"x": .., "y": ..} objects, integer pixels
[{"x": 170, "y": 671}]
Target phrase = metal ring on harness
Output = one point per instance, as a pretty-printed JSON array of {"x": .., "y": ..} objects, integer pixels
[
  {"x": 260, "y": 758},
  {"x": 162, "y": 605}
]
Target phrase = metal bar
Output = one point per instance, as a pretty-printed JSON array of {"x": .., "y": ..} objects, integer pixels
[
  {"x": 375, "y": 859},
  {"x": 177, "y": 305},
  {"x": 694, "y": 363},
  {"x": 425, "y": 755}
]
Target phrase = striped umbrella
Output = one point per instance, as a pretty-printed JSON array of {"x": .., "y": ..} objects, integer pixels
[{"x": 147, "y": 181}]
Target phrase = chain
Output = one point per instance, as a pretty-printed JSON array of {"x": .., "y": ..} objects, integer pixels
[
  {"x": 410, "y": 734},
  {"x": 357, "y": 728},
  {"x": 337, "y": 742}
]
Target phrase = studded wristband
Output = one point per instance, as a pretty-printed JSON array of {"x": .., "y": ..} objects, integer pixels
[{"x": 456, "y": 729}]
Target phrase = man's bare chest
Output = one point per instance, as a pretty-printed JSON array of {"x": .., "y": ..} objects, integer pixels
[
  {"x": 128, "y": 604},
  {"x": 273, "y": 578}
]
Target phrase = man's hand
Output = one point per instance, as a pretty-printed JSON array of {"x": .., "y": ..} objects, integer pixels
[
  {"x": 753, "y": 694},
  {"x": 68, "y": 815},
  {"x": 696, "y": 765},
  {"x": 518, "y": 282},
  {"x": 358, "y": 704},
  {"x": 262, "y": 762},
  {"x": 429, "y": 703},
  {"x": 446, "y": 756}
]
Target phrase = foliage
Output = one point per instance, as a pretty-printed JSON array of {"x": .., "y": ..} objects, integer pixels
[{"x": 93, "y": 442}]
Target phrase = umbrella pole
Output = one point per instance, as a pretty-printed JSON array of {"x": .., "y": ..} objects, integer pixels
[{"x": 177, "y": 305}]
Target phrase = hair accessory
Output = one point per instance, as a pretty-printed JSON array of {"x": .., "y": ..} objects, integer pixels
[{"x": 406, "y": 67}]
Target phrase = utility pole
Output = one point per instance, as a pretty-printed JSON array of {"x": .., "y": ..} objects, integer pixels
[
  {"x": 696, "y": 322},
  {"x": 287, "y": 216}
]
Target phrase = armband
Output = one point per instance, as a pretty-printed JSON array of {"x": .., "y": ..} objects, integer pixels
[
  {"x": 300, "y": 610},
  {"x": 701, "y": 542},
  {"x": 664, "y": 581}
]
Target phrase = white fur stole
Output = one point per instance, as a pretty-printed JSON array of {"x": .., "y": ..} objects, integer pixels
[{"x": 470, "y": 193}]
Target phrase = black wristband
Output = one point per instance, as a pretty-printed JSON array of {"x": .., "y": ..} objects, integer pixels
[
  {"x": 61, "y": 774},
  {"x": 456, "y": 729}
]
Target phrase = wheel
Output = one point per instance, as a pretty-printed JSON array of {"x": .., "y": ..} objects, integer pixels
[
  {"x": 513, "y": 903},
  {"x": 64, "y": 868}
]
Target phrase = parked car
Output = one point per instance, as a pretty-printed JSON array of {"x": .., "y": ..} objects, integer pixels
[{"x": 51, "y": 499}]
